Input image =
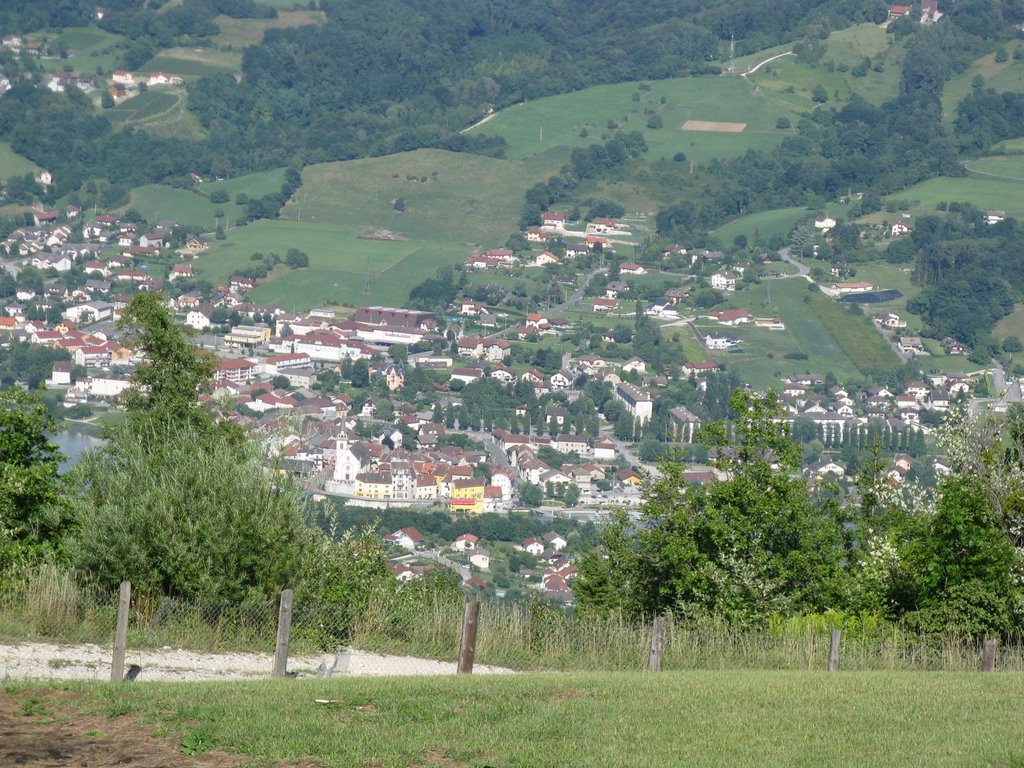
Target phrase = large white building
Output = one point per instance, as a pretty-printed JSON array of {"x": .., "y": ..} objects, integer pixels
[{"x": 638, "y": 403}]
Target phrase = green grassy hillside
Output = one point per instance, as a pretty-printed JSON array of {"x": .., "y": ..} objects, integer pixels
[
  {"x": 13, "y": 164},
  {"x": 581, "y": 118},
  {"x": 448, "y": 197},
  {"x": 338, "y": 261},
  {"x": 629, "y": 719}
]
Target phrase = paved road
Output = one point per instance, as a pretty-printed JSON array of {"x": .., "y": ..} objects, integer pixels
[
  {"x": 802, "y": 270},
  {"x": 500, "y": 459}
]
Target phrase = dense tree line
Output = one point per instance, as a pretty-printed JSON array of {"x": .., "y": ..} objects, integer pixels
[
  {"x": 971, "y": 271},
  {"x": 759, "y": 544}
]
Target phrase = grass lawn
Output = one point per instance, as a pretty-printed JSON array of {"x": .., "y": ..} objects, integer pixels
[
  {"x": 156, "y": 201},
  {"x": 449, "y": 197},
  {"x": 627, "y": 719},
  {"x": 240, "y": 33},
  {"x": 338, "y": 260},
  {"x": 560, "y": 121},
  {"x": 13, "y": 164}
]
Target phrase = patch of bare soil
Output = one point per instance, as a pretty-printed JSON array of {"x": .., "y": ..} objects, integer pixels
[
  {"x": 44, "y": 728},
  {"x": 382, "y": 234}
]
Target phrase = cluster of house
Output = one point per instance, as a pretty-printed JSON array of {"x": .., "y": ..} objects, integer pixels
[
  {"x": 930, "y": 12},
  {"x": 553, "y": 580},
  {"x": 124, "y": 84},
  {"x": 842, "y": 412}
]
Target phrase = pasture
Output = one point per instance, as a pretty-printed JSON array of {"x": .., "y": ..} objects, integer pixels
[
  {"x": 760, "y": 226},
  {"x": 833, "y": 338},
  {"x": 581, "y": 118},
  {"x": 448, "y": 197},
  {"x": 790, "y": 81},
  {"x": 156, "y": 202},
  {"x": 1002, "y": 75},
  {"x": 982, "y": 192},
  {"x": 241, "y": 33},
  {"x": 252, "y": 184},
  {"x": 13, "y": 164},
  {"x": 92, "y": 49},
  {"x": 706, "y": 718},
  {"x": 1011, "y": 168},
  {"x": 338, "y": 261}
]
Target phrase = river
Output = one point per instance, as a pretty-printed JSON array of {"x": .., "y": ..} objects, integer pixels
[{"x": 73, "y": 442}]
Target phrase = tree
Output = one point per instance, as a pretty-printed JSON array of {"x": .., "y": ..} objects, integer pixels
[
  {"x": 571, "y": 496},
  {"x": 744, "y": 547},
  {"x": 191, "y": 514},
  {"x": 31, "y": 491},
  {"x": 531, "y": 494},
  {"x": 297, "y": 259},
  {"x": 818, "y": 94},
  {"x": 166, "y": 384}
]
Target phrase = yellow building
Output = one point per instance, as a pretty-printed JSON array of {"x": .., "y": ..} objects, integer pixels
[{"x": 467, "y": 496}]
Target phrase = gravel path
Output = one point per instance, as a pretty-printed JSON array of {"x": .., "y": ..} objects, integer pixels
[{"x": 92, "y": 662}]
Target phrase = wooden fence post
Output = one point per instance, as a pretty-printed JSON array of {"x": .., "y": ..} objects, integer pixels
[
  {"x": 467, "y": 648},
  {"x": 284, "y": 633},
  {"x": 121, "y": 632},
  {"x": 833, "y": 651},
  {"x": 988, "y": 656},
  {"x": 657, "y": 644}
]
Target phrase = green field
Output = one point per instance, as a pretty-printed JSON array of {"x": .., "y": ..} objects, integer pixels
[
  {"x": 194, "y": 62},
  {"x": 156, "y": 202},
  {"x": 791, "y": 82},
  {"x": 535, "y": 127},
  {"x": 13, "y": 164},
  {"x": 760, "y": 225},
  {"x": 1011, "y": 168},
  {"x": 719, "y": 718},
  {"x": 983, "y": 192},
  {"x": 253, "y": 184},
  {"x": 831, "y": 336},
  {"x": 146, "y": 106},
  {"x": 1003, "y": 76},
  {"x": 90, "y": 48},
  {"x": 338, "y": 262},
  {"x": 449, "y": 197},
  {"x": 240, "y": 33}
]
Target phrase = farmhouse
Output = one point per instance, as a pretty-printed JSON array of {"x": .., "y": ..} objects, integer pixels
[
  {"x": 847, "y": 288},
  {"x": 731, "y": 316}
]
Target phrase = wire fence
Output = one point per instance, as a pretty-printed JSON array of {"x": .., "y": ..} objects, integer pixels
[{"x": 520, "y": 637}]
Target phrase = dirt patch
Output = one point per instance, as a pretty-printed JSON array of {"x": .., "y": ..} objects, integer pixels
[
  {"x": 382, "y": 234},
  {"x": 47, "y": 728},
  {"x": 714, "y": 127}
]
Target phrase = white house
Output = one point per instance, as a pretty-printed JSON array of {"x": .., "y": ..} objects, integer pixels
[{"x": 723, "y": 281}]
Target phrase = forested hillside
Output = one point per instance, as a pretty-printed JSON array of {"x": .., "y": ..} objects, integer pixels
[{"x": 397, "y": 75}]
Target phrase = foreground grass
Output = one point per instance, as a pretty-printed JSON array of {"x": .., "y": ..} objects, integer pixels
[{"x": 692, "y": 719}]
